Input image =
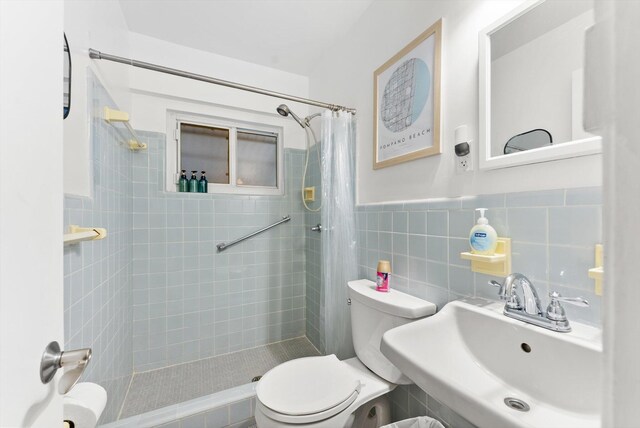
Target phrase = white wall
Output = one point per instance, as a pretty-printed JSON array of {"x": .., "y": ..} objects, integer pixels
[
  {"x": 154, "y": 93},
  {"x": 31, "y": 289},
  {"x": 345, "y": 76},
  {"x": 97, "y": 24},
  {"x": 615, "y": 71}
]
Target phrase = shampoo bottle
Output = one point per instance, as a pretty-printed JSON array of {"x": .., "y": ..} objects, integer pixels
[
  {"x": 203, "y": 184},
  {"x": 183, "y": 183},
  {"x": 483, "y": 238},
  {"x": 193, "y": 182}
]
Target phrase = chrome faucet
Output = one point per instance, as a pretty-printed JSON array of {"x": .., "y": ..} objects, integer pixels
[{"x": 554, "y": 318}]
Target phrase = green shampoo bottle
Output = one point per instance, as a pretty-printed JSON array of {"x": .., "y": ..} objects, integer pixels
[
  {"x": 203, "y": 184},
  {"x": 193, "y": 182},
  {"x": 183, "y": 183}
]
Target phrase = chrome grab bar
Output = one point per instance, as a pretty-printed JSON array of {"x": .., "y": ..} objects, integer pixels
[{"x": 224, "y": 245}]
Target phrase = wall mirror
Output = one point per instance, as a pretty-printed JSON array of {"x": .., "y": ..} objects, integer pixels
[{"x": 531, "y": 85}]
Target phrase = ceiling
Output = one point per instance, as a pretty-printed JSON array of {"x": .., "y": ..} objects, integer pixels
[{"x": 288, "y": 35}]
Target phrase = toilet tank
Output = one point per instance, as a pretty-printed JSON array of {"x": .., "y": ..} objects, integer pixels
[{"x": 372, "y": 314}]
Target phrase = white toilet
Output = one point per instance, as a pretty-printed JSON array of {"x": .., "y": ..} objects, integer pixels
[{"x": 324, "y": 392}]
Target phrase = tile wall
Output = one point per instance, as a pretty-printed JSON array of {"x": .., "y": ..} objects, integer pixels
[
  {"x": 313, "y": 254},
  {"x": 192, "y": 302},
  {"x": 97, "y": 275},
  {"x": 553, "y": 237}
]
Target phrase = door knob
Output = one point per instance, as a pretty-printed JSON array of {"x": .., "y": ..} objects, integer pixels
[{"x": 53, "y": 359}]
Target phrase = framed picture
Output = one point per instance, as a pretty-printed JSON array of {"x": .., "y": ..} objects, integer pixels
[{"x": 406, "y": 112}]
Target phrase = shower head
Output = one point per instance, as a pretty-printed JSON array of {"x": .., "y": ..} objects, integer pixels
[{"x": 283, "y": 110}]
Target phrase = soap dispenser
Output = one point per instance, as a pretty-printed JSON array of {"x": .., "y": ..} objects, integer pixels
[
  {"x": 483, "y": 238},
  {"x": 193, "y": 182},
  {"x": 203, "y": 184},
  {"x": 183, "y": 183}
]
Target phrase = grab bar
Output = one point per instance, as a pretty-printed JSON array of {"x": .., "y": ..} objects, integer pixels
[{"x": 224, "y": 245}]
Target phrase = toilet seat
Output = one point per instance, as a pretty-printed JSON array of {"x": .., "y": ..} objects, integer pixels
[{"x": 307, "y": 390}]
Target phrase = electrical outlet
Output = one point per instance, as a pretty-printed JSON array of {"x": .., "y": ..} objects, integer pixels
[{"x": 464, "y": 164}]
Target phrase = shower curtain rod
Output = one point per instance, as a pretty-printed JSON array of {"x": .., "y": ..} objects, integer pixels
[{"x": 94, "y": 54}]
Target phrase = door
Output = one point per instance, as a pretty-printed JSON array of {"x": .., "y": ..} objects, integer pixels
[{"x": 31, "y": 270}]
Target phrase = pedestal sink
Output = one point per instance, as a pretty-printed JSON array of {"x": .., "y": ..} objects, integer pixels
[{"x": 499, "y": 372}]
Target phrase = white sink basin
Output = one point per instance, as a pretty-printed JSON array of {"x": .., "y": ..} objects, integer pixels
[{"x": 471, "y": 357}]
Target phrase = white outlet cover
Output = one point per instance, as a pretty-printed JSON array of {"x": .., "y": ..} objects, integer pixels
[{"x": 463, "y": 164}]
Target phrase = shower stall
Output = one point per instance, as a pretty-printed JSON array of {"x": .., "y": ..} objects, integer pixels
[{"x": 180, "y": 329}]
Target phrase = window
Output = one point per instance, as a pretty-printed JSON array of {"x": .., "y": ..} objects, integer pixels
[
  {"x": 204, "y": 148},
  {"x": 237, "y": 157}
]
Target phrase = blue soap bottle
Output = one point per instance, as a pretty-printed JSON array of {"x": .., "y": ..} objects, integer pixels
[{"x": 483, "y": 238}]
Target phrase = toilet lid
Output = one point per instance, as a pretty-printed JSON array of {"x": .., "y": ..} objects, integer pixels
[{"x": 307, "y": 385}]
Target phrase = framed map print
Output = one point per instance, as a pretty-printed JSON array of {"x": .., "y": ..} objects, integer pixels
[{"x": 406, "y": 122}]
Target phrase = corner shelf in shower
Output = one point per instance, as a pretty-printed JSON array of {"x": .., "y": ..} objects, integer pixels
[
  {"x": 111, "y": 115},
  {"x": 78, "y": 234}
]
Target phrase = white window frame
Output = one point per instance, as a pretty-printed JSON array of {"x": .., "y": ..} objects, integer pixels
[{"x": 175, "y": 118}]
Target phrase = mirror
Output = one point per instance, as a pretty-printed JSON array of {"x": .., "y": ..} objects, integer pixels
[
  {"x": 531, "y": 89},
  {"x": 66, "y": 79}
]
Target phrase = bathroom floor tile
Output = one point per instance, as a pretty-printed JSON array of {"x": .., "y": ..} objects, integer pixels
[{"x": 171, "y": 385}]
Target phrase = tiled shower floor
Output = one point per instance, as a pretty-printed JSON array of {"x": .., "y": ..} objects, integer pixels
[{"x": 171, "y": 385}]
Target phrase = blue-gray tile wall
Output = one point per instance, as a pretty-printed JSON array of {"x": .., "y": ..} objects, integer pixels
[
  {"x": 553, "y": 236},
  {"x": 191, "y": 301},
  {"x": 313, "y": 254},
  {"x": 410, "y": 402},
  {"x": 97, "y": 275}
]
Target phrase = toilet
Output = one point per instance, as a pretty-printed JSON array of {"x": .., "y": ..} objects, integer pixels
[{"x": 324, "y": 392}]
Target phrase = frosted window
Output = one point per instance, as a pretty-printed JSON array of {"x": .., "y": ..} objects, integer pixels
[
  {"x": 204, "y": 148},
  {"x": 257, "y": 159}
]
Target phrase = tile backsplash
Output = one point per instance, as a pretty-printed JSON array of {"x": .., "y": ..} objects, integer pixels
[{"x": 553, "y": 236}]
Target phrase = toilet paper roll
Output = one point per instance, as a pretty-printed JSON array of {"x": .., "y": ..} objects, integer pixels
[{"x": 84, "y": 404}]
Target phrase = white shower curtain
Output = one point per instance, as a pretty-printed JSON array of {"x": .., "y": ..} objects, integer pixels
[{"x": 339, "y": 262}]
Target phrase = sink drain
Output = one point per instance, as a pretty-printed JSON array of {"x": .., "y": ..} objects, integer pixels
[{"x": 516, "y": 404}]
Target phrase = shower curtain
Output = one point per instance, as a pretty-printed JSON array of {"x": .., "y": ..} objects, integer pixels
[{"x": 339, "y": 231}]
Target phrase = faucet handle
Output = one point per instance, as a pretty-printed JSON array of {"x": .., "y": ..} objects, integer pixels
[
  {"x": 577, "y": 301},
  {"x": 513, "y": 301},
  {"x": 555, "y": 311},
  {"x": 501, "y": 292}
]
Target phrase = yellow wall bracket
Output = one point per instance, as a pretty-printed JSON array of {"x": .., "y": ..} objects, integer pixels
[
  {"x": 597, "y": 273},
  {"x": 498, "y": 264},
  {"x": 78, "y": 234},
  {"x": 111, "y": 115},
  {"x": 136, "y": 145}
]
